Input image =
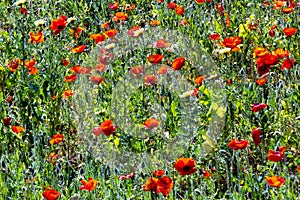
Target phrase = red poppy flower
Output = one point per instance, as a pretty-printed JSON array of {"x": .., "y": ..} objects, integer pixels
[
  {"x": 287, "y": 63},
  {"x": 114, "y": 6},
  {"x": 238, "y": 144},
  {"x": 36, "y": 37},
  {"x": 58, "y": 25},
  {"x": 57, "y": 138},
  {"x": 261, "y": 81},
  {"x": 78, "y": 49},
  {"x": 299, "y": 168},
  {"x": 18, "y": 129},
  {"x": 214, "y": 36},
  {"x": 78, "y": 31},
  {"x": 150, "y": 79},
  {"x": 151, "y": 185},
  {"x": 159, "y": 172},
  {"x": 124, "y": 177},
  {"x": 106, "y": 128},
  {"x": 179, "y": 10},
  {"x": 155, "y": 58},
  {"x": 160, "y": 43},
  {"x": 289, "y": 31},
  {"x": 178, "y": 63},
  {"x": 256, "y": 134},
  {"x": 275, "y": 181},
  {"x": 51, "y": 194},
  {"x": 199, "y": 80},
  {"x": 110, "y": 32},
  {"x": 100, "y": 68},
  {"x": 65, "y": 62},
  {"x": 137, "y": 71},
  {"x": 259, "y": 52},
  {"x": 206, "y": 174},
  {"x": 287, "y": 10},
  {"x": 185, "y": 166},
  {"x": 258, "y": 106},
  {"x": 164, "y": 185},
  {"x": 199, "y": 1},
  {"x": 276, "y": 156},
  {"x": 70, "y": 78},
  {"x": 151, "y": 123},
  {"x": 96, "y": 79},
  {"x": 172, "y": 5},
  {"x": 76, "y": 69},
  {"x": 15, "y": 64},
  {"x": 162, "y": 70},
  {"x": 7, "y": 121},
  {"x": 67, "y": 93},
  {"x": 98, "y": 38},
  {"x": 88, "y": 185},
  {"x": 52, "y": 158},
  {"x": 232, "y": 42}
]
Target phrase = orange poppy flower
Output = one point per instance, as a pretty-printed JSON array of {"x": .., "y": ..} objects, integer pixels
[
  {"x": 67, "y": 93},
  {"x": 151, "y": 123},
  {"x": 70, "y": 78},
  {"x": 162, "y": 70},
  {"x": 78, "y": 49},
  {"x": 289, "y": 31},
  {"x": 65, "y": 62},
  {"x": 160, "y": 43},
  {"x": 78, "y": 31},
  {"x": 214, "y": 36},
  {"x": 106, "y": 128},
  {"x": 18, "y": 129},
  {"x": 16, "y": 64},
  {"x": 155, "y": 23},
  {"x": 100, "y": 68},
  {"x": 206, "y": 174},
  {"x": 256, "y": 135},
  {"x": 137, "y": 71},
  {"x": 276, "y": 156},
  {"x": 264, "y": 63},
  {"x": 120, "y": 16},
  {"x": 275, "y": 181},
  {"x": 232, "y": 42},
  {"x": 280, "y": 53},
  {"x": 58, "y": 25},
  {"x": 260, "y": 51},
  {"x": 155, "y": 58},
  {"x": 164, "y": 185},
  {"x": 110, "y": 32},
  {"x": 33, "y": 70},
  {"x": 261, "y": 81},
  {"x": 98, "y": 38},
  {"x": 76, "y": 69},
  {"x": 150, "y": 79},
  {"x": 52, "y": 158},
  {"x": 96, "y": 79},
  {"x": 178, "y": 63},
  {"x": 287, "y": 10},
  {"x": 238, "y": 144},
  {"x": 105, "y": 25},
  {"x": 159, "y": 172},
  {"x": 57, "y": 138},
  {"x": 51, "y": 194},
  {"x": 179, "y": 10},
  {"x": 36, "y": 37},
  {"x": 185, "y": 166},
  {"x": 227, "y": 22},
  {"x": 151, "y": 185},
  {"x": 299, "y": 168},
  {"x": 258, "y": 106},
  {"x": 287, "y": 63},
  {"x": 88, "y": 185},
  {"x": 199, "y": 80}
]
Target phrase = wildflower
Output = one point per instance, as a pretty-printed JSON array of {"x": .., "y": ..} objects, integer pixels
[
  {"x": 280, "y": 53},
  {"x": 70, "y": 78},
  {"x": 183, "y": 22},
  {"x": 199, "y": 1},
  {"x": 39, "y": 22},
  {"x": 172, "y": 5},
  {"x": 120, "y": 16},
  {"x": 185, "y": 166},
  {"x": 164, "y": 185},
  {"x": 106, "y": 128},
  {"x": 100, "y": 68},
  {"x": 206, "y": 174},
  {"x": 151, "y": 123},
  {"x": 150, "y": 79},
  {"x": 276, "y": 156},
  {"x": 258, "y": 106},
  {"x": 298, "y": 168},
  {"x": 7, "y": 121},
  {"x": 51, "y": 194},
  {"x": 162, "y": 70},
  {"x": 36, "y": 38},
  {"x": 78, "y": 31},
  {"x": 110, "y": 32},
  {"x": 265, "y": 62},
  {"x": 96, "y": 79},
  {"x": 23, "y": 11},
  {"x": 179, "y": 10},
  {"x": 256, "y": 134},
  {"x": 58, "y": 25},
  {"x": 287, "y": 10},
  {"x": 15, "y": 64},
  {"x": 259, "y": 52},
  {"x": 160, "y": 43},
  {"x": 67, "y": 93},
  {"x": 214, "y": 36},
  {"x": 137, "y": 71},
  {"x": 289, "y": 31},
  {"x": 155, "y": 23},
  {"x": 114, "y": 6},
  {"x": 57, "y": 138},
  {"x": 71, "y": 19},
  {"x": 135, "y": 31},
  {"x": 178, "y": 63},
  {"x": 275, "y": 181},
  {"x": 78, "y": 49},
  {"x": 199, "y": 80},
  {"x": 261, "y": 81},
  {"x": 287, "y": 64},
  {"x": 65, "y": 62},
  {"x": 52, "y": 158},
  {"x": 232, "y": 42},
  {"x": 124, "y": 177},
  {"x": 158, "y": 173},
  {"x": 151, "y": 185},
  {"x": 20, "y": 2},
  {"x": 238, "y": 144},
  {"x": 129, "y": 7},
  {"x": 18, "y": 129},
  {"x": 88, "y": 185},
  {"x": 155, "y": 58}
]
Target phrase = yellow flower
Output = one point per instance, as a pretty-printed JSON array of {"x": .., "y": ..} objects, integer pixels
[{"x": 20, "y": 2}]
